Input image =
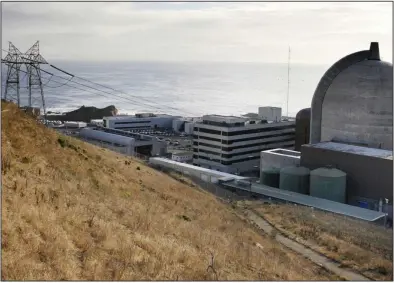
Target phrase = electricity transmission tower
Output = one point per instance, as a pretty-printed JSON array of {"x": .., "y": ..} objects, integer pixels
[
  {"x": 14, "y": 61},
  {"x": 32, "y": 60}
]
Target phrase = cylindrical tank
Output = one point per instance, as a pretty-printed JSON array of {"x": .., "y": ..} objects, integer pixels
[
  {"x": 270, "y": 177},
  {"x": 328, "y": 183},
  {"x": 302, "y": 128},
  {"x": 295, "y": 179}
]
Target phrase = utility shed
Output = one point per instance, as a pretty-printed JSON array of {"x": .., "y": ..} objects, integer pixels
[{"x": 369, "y": 170}]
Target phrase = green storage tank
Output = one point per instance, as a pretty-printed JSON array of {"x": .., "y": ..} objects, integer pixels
[
  {"x": 295, "y": 179},
  {"x": 270, "y": 177},
  {"x": 328, "y": 183}
]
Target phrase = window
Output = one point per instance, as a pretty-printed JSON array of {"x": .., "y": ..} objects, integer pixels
[
  {"x": 258, "y": 138},
  {"x": 261, "y": 130},
  {"x": 209, "y": 131},
  {"x": 131, "y": 122}
]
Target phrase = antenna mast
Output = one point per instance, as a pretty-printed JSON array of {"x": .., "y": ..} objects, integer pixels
[{"x": 288, "y": 84}]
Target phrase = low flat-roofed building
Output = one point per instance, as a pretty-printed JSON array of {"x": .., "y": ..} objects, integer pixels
[
  {"x": 369, "y": 170},
  {"x": 139, "y": 121},
  {"x": 182, "y": 156}
]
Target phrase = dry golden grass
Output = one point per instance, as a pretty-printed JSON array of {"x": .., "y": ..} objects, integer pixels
[
  {"x": 359, "y": 245},
  {"x": 79, "y": 212}
]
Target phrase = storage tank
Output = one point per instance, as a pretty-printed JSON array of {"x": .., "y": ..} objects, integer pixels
[
  {"x": 295, "y": 179},
  {"x": 328, "y": 183},
  {"x": 302, "y": 128},
  {"x": 270, "y": 177}
]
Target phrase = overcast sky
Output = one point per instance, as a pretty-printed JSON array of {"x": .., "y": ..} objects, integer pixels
[{"x": 318, "y": 33}]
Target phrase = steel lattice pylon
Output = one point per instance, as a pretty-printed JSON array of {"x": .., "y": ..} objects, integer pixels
[
  {"x": 32, "y": 60},
  {"x": 14, "y": 61}
]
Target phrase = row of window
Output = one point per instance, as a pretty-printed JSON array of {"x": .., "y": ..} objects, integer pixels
[
  {"x": 227, "y": 142},
  {"x": 289, "y": 137},
  {"x": 243, "y": 132},
  {"x": 132, "y": 122},
  {"x": 134, "y": 127}
]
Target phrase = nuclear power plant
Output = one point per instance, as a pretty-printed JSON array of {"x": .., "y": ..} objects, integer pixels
[{"x": 342, "y": 161}]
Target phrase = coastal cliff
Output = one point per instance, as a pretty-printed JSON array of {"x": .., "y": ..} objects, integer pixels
[{"x": 85, "y": 114}]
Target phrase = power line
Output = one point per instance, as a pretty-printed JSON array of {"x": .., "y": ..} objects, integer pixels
[
  {"x": 120, "y": 91},
  {"x": 112, "y": 89},
  {"x": 122, "y": 97}
]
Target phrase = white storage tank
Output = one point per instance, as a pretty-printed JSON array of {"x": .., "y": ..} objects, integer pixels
[{"x": 328, "y": 183}]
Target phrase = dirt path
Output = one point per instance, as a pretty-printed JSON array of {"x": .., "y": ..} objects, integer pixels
[{"x": 308, "y": 253}]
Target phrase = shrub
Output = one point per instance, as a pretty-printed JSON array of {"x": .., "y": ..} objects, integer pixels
[{"x": 62, "y": 142}]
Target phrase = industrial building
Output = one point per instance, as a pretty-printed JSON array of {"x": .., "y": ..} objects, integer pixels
[
  {"x": 182, "y": 156},
  {"x": 139, "y": 121},
  {"x": 369, "y": 171},
  {"x": 238, "y": 183},
  {"x": 74, "y": 125},
  {"x": 348, "y": 158},
  {"x": 233, "y": 144},
  {"x": 353, "y": 102},
  {"x": 124, "y": 142},
  {"x": 185, "y": 125}
]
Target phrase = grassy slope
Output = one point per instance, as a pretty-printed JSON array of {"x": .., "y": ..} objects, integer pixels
[
  {"x": 362, "y": 246},
  {"x": 83, "y": 213}
]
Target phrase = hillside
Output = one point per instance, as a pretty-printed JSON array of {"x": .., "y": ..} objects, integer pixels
[
  {"x": 73, "y": 211},
  {"x": 356, "y": 244}
]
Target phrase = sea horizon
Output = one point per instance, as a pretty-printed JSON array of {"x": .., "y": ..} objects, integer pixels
[{"x": 179, "y": 88}]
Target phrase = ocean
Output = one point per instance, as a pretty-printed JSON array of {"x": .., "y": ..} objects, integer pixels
[{"x": 187, "y": 89}]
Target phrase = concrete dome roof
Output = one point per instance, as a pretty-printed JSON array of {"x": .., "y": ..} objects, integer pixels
[
  {"x": 353, "y": 101},
  {"x": 304, "y": 114}
]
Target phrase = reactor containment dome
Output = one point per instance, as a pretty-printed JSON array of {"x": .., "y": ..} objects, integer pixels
[{"x": 353, "y": 102}]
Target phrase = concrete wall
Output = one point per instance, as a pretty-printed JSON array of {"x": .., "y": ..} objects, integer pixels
[
  {"x": 358, "y": 106},
  {"x": 368, "y": 177},
  {"x": 271, "y": 159}
]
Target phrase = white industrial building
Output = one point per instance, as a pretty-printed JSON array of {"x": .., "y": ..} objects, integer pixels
[
  {"x": 204, "y": 174},
  {"x": 124, "y": 142},
  {"x": 185, "y": 125},
  {"x": 270, "y": 113},
  {"x": 233, "y": 144},
  {"x": 182, "y": 156},
  {"x": 75, "y": 125},
  {"x": 139, "y": 121}
]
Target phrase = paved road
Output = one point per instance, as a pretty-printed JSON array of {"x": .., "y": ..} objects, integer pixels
[{"x": 306, "y": 252}]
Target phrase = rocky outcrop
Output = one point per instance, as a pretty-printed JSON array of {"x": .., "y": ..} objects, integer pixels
[{"x": 85, "y": 114}]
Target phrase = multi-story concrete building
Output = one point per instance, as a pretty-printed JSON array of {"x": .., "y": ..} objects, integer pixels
[
  {"x": 233, "y": 144},
  {"x": 139, "y": 121}
]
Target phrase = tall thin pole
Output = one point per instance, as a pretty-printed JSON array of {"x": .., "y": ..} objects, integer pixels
[{"x": 288, "y": 85}]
